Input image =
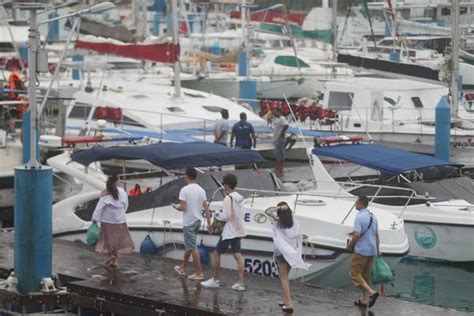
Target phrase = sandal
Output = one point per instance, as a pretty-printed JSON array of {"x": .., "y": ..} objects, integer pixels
[
  {"x": 373, "y": 298},
  {"x": 360, "y": 304},
  {"x": 194, "y": 276},
  {"x": 287, "y": 309},
  {"x": 179, "y": 271}
]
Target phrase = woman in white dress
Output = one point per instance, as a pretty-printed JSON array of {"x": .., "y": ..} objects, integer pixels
[{"x": 288, "y": 244}]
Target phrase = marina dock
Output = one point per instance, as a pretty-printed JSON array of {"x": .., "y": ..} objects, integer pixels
[{"x": 149, "y": 286}]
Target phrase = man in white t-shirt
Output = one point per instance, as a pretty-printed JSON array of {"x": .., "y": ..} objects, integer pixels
[
  {"x": 192, "y": 200},
  {"x": 280, "y": 126},
  {"x": 221, "y": 129}
]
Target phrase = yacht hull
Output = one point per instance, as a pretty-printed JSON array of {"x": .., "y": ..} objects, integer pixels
[
  {"x": 257, "y": 251},
  {"x": 440, "y": 242}
]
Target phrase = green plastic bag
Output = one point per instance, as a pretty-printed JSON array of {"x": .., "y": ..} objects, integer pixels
[
  {"x": 381, "y": 272},
  {"x": 92, "y": 234}
]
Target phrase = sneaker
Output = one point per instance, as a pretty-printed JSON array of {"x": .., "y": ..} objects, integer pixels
[
  {"x": 238, "y": 287},
  {"x": 211, "y": 283}
]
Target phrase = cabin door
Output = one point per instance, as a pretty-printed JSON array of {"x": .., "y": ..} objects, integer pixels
[{"x": 376, "y": 106}]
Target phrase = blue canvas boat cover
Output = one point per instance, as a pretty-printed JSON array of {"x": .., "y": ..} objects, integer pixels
[
  {"x": 172, "y": 155},
  {"x": 384, "y": 159}
]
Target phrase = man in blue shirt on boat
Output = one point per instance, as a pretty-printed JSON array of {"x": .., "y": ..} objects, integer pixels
[
  {"x": 364, "y": 243},
  {"x": 243, "y": 133}
]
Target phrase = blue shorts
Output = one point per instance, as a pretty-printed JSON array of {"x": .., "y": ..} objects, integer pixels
[
  {"x": 280, "y": 150},
  {"x": 223, "y": 245},
  {"x": 190, "y": 235}
]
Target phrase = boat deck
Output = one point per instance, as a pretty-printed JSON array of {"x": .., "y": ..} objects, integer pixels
[{"x": 149, "y": 286}]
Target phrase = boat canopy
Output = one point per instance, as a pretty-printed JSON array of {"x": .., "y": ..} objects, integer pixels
[
  {"x": 384, "y": 159},
  {"x": 172, "y": 155}
]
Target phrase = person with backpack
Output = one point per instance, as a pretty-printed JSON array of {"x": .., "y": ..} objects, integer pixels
[
  {"x": 364, "y": 243},
  {"x": 233, "y": 213},
  {"x": 243, "y": 133}
]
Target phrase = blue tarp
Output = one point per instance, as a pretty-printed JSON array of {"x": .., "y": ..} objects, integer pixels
[
  {"x": 384, "y": 159},
  {"x": 172, "y": 155}
]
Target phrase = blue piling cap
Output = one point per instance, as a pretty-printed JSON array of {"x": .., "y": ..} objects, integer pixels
[
  {"x": 148, "y": 246},
  {"x": 443, "y": 103}
]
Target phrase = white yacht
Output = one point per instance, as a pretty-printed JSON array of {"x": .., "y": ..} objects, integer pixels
[
  {"x": 326, "y": 221},
  {"x": 395, "y": 112},
  {"x": 435, "y": 202}
]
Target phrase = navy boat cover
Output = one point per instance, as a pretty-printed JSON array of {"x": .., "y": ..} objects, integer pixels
[
  {"x": 172, "y": 155},
  {"x": 384, "y": 159}
]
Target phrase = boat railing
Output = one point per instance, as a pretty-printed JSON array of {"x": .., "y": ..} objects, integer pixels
[{"x": 339, "y": 194}]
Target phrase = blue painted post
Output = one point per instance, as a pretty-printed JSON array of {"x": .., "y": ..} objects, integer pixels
[
  {"x": 243, "y": 64},
  {"x": 248, "y": 88},
  {"x": 248, "y": 93},
  {"x": 191, "y": 20},
  {"x": 26, "y": 137},
  {"x": 53, "y": 28},
  {"x": 33, "y": 226},
  {"x": 76, "y": 73},
  {"x": 23, "y": 48},
  {"x": 156, "y": 24},
  {"x": 442, "y": 129}
]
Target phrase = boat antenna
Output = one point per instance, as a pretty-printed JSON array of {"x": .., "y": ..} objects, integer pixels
[
  {"x": 366, "y": 9},
  {"x": 348, "y": 14},
  {"x": 177, "y": 64},
  {"x": 455, "y": 45}
]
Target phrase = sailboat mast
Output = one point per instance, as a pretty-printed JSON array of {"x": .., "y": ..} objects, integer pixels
[
  {"x": 245, "y": 40},
  {"x": 455, "y": 44},
  {"x": 334, "y": 31},
  {"x": 177, "y": 68}
]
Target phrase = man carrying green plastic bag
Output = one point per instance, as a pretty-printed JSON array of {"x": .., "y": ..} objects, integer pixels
[
  {"x": 381, "y": 273},
  {"x": 364, "y": 244}
]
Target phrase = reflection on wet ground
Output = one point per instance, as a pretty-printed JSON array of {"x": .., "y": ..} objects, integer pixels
[
  {"x": 152, "y": 282},
  {"x": 432, "y": 283}
]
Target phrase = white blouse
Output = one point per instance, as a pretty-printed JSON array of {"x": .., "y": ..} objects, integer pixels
[{"x": 110, "y": 210}]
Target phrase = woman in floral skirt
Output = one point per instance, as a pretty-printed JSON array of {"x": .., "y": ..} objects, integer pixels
[{"x": 114, "y": 238}]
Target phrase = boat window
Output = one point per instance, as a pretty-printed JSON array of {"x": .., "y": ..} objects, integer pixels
[
  {"x": 417, "y": 102},
  {"x": 391, "y": 101},
  {"x": 129, "y": 121},
  {"x": 290, "y": 61},
  {"x": 175, "y": 109},
  {"x": 6, "y": 47},
  {"x": 194, "y": 95},
  {"x": 213, "y": 108},
  {"x": 80, "y": 111},
  {"x": 140, "y": 96},
  {"x": 340, "y": 101},
  {"x": 445, "y": 11},
  {"x": 311, "y": 202}
]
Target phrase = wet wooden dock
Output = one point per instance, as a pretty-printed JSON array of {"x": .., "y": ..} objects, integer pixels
[{"x": 151, "y": 286}]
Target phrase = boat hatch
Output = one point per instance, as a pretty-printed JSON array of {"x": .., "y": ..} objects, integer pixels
[{"x": 311, "y": 202}]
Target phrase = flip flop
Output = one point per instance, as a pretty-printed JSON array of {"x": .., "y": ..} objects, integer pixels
[
  {"x": 195, "y": 277},
  {"x": 178, "y": 270},
  {"x": 286, "y": 309},
  {"x": 373, "y": 298},
  {"x": 360, "y": 304}
]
